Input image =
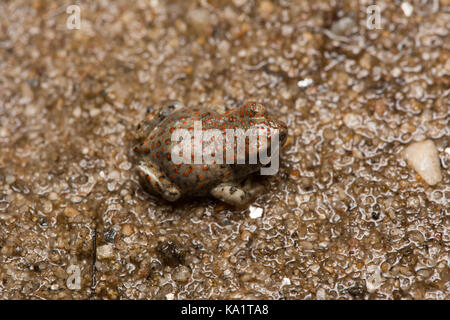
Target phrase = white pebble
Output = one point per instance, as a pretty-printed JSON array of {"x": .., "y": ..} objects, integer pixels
[
  {"x": 423, "y": 157},
  {"x": 170, "y": 296},
  {"x": 344, "y": 26},
  {"x": 255, "y": 212},
  {"x": 286, "y": 30},
  {"x": 305, "y": 83},
  {"x": 199, "y": 18},
  {"x": 374, "y": 280},
  {"x": 105, "y": 252},
  {"x": 111, "y": 186},
  {"x": 396, "y": 72},
  {"x": 352, "y": 120},
  {"x": 77, "y": 112},
  {"x": 10, "y": 179},
  {"x": 114, "y": 175},
  {"x": 31, "y": 110},
  {"x": 47, "y": 206},
  {"x": 125, "y": 165},
  {"x": 53, "y": 196},
  {"x": 3, "y": 132},
  {"x": 181, "y": 274},
  {"x": 94, "y": 112},
  {"x": 239, "y": 3},
  {"x": 224, "y": 47},
  {"x": 76, "y": 199},
  {"x": 407, "y": 8},
  {"x": 285, "y": 282},
  {"x": 321, "y": 294},
  {"x": 130, "y": 267}
]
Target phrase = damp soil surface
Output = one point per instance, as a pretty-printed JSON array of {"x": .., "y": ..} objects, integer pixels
[{"x": 345, "y": 217}]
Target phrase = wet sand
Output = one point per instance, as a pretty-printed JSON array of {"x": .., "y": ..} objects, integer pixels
[{"x": 346, "y": 217}]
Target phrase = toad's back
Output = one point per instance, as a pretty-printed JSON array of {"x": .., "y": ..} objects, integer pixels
[{"x": 194, "y": 178}]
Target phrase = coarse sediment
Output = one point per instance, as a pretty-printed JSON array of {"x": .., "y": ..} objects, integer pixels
[{"x": 345, "y": 217}]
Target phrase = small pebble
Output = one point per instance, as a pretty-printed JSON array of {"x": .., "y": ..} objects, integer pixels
[
  {"x": 76, "y": 199},
  {"x": 114, "y": 175},
  {"x": 111, "y": 186},
  {"x": 27, "y": 93},
  {"x": 305, "y": 83},
  {"x": 265, "y": 8},
  {"x": 94, "y": 112},
  {"x": 47, "y": 206},
  {"x": 77, "y": 112},
  {"x": 396, "y": 72},
  {"x": 181, "y": 274},
  {"x": 53, "y": 196},
  {"x": 306, "y": 245},
  {"x": 125, "y": 165},
  {"x": 127, "y": 230},
  {"x": 344, "y": 26},
  {"x": 170, "y": 296},
  {"x": 255, "y": 212},
  {"x": 200, "y": 19},
  {"x": 31, "y": 110},
  {"x": 285, "y": 282},
  {"x": 4, "y": 132},
  {"x": 287, "y": 30},
  {"x": 105, "y": 252},
  {"x": 380, "y": 107},
  {"x": 224, "y": 47},
  {"x": 423, "y": 157},
  {"x": 407, "y": 8},
  {"x": 374, "y": 280},
  {"x": 375, "y": 215},
  {"x": 366, "y": 61},
  {"x": 10, "y": 179},
  {"x": 321, "y": 294},
  {"x": 352, "y": 121},
  {"x": 70, "y": 212},
  {"x": 245, "y": 235}
]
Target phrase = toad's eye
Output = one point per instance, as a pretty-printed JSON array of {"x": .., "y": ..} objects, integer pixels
[
  {"x": 167, "y": 111},
  {"x": 256, "y": 110}
]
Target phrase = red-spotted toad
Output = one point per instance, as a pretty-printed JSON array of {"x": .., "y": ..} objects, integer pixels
[{"x": 220, "y": 179}]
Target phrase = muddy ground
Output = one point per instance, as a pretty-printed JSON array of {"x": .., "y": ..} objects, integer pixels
[{"x": 346, "y": 217}]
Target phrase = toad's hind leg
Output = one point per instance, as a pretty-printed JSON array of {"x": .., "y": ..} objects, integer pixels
[
  {"x": 230, "y": 193},
  {"x": 158, "y": 181}
]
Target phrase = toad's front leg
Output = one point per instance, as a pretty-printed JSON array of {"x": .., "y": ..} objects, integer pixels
[{"x": 157, "y": 181}]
